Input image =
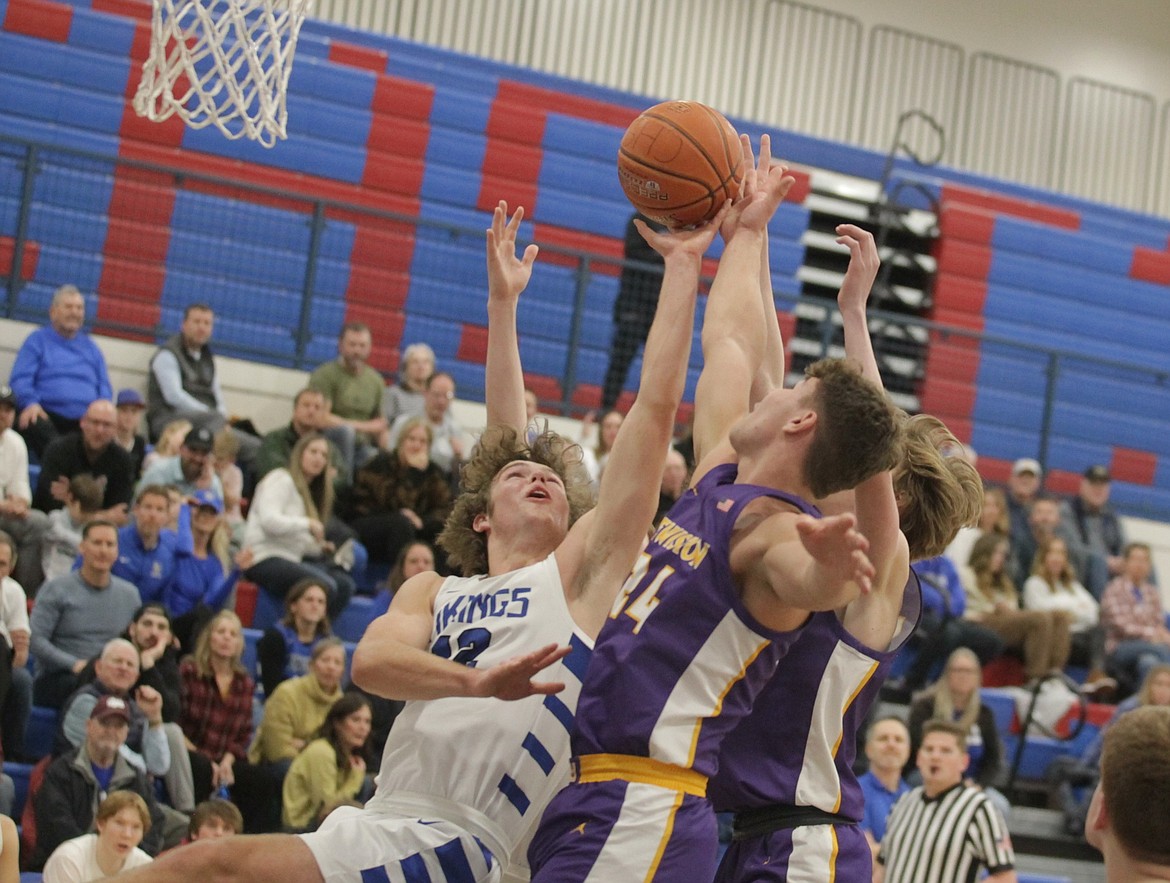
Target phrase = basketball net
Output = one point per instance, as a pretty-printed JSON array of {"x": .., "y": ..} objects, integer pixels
[{"x": 222, "y": 62}]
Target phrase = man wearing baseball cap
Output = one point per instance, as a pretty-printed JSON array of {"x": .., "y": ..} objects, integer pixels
[
  {"x": 80, "y": 779},
  {"x": 17, "y": 517},
  {"x": 1023, "y": 485},
  {"x": 190, "y": 470},
  {"x": 1089, "y": 517}
]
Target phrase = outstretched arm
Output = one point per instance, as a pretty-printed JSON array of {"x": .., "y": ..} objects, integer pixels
[
  {"x": 874, "y": 617},
  {"x": 734, "y": 331},
  {"x": 805, "y": 563},
  {"x": 770, "y": 375},
  {"x": 628, "y": 497},
  {"x": 508, "y": 275},
  {"x": 393, "y": 658}
]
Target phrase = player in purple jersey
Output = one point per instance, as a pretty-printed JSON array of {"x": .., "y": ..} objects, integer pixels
[
  {"x": 787, "y": 770},
  {"x": 723, "y": 588},
  {"x": 464, "y": 778}
]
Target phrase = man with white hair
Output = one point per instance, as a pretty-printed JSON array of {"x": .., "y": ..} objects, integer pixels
[
  {"x": 58, "y": 371},
  {"x": 151, "y": 746}
]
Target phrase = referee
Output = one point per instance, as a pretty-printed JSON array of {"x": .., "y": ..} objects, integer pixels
[{"x": 944, "y": 831}]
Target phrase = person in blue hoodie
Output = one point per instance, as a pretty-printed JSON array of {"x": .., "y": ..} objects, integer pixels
[
  {"x": 58, "y": 371},
  {"x": 147, "y": 548},
  {"x": 942, "y": 628}
]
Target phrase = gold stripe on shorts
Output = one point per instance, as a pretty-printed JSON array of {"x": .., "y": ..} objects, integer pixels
[{"x": 644, "y": 770}]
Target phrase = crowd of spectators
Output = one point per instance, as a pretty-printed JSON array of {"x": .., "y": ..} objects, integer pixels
[{"x": 126, "y": 524}]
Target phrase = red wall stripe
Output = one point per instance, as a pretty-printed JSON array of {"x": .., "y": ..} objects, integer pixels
[
  {"x": 127, "y": 8},
  {"x": 1137, "y": 467},
  {"x": 473, "y": 344},
  {"x": 39, "y": 18},
  {"x": 352, "y": 55},
  {"x": 29, "y": 257},
  {"x": 1008, "y": 205},
  {"x": 1150, "y": 265}
]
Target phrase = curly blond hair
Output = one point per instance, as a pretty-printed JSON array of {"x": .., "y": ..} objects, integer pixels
[
  {"x": 500, "y": 445},
  {"x": 938, "y": 489}
]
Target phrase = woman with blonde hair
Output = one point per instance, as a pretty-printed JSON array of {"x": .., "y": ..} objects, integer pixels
[
  {"x": 122, "y": 820},
  {"x": 216, "y": 709},
  {"x": 1053, "y": 586},
  {"x": 286, "y": 526},
  {"x": 169, "y": 441},
  {"x": 1042, "y": 636},
  {"x": 955, "y": 698}
]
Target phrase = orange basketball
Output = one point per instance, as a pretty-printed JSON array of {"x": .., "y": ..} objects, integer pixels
[{"x": 679, "y": 162}]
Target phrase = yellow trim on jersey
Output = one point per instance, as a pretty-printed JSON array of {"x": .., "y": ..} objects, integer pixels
[
  {"x": 666, "y": 832},
  {"x": 645, "y": 770},
  {"x": 715, "y": 712},
  {"x": 837, "y": 745},
  {"x": 833, "y": 854}
]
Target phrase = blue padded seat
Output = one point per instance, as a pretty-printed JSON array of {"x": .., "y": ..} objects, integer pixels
[
  {"x": 73, "y": 187},
  {"x": 251, "y": 639},
  {"x": 20, "y": 773},
  {"x": 1008, "y": 409},
  {"x": 470, "y": 379},
  {"x": 447, "y": 300},
  {"x": 541, "y": 356},
  {"x": 1070, "y": 248},
  {"x": 460, "y": 111},
  {"x": 443, "y": 335},
  {"x": 41, "y": 731},
  {"x": 83, "y": 269},
  {"x": 68, "y": 228},
  {"x": 331, "y": 82},
  {"x": 102, "y": 32},
  {"x": 351, "y": 624},
  {"x": 449, "y": 185},
  {"x": 581, "y": 138}
]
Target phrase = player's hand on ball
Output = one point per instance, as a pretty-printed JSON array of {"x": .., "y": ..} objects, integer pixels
[
  {"x": 512, "y": 679},
  {"x": 508, "y": 274},
  {"x": 690, "y": 242}
]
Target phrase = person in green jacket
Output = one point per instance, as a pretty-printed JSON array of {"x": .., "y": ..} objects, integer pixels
[{"x": 332, "y": 769}]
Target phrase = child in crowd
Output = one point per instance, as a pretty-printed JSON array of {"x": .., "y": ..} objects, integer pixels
[
  {"x": 213, "y": 819},
  {"x": 169, "y": 441},
  {"x": 63, "y": 537}
]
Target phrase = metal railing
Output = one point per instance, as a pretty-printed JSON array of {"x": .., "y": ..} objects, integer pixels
[{"x": 43, "y": 215}]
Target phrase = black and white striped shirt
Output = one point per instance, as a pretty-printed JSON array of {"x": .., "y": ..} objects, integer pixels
[{"x": 945, "y": 839}]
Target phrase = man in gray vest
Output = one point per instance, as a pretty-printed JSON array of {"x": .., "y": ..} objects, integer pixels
[{"x": 183, "y": 384}]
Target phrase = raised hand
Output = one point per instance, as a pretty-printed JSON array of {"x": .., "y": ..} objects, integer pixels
[
  {"x": 512, "y": 678},
  {"x": 863, "y": 266},
  {"x": 765, "y": 184},
  {"x": 508, "y": 274},
  {"x": 838, "y": 548},
  {"x": 150, "y": 701},
  {"x": 692, "y": 242}
]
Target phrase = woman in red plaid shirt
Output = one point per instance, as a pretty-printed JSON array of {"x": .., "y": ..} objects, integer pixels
[{"x": 216, "y": 715}]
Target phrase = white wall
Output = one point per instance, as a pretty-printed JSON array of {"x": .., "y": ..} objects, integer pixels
[
  {"x": 1125, "y": 42},
  {"x": 1069, "y": 95}
]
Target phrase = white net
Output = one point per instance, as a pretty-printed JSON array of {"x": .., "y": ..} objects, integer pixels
[{"x": 222, "y": 62}]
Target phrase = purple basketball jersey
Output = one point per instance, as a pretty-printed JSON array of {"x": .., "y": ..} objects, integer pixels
[
  {"x": 680, "y": 659},
  {"x": 798, "y": 745}
]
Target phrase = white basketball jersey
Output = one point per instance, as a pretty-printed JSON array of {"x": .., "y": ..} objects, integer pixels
[{"x": 502, "y": 759}]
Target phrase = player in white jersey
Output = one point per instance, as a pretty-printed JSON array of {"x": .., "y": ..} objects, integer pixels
[{"x": 464, "y": 776}]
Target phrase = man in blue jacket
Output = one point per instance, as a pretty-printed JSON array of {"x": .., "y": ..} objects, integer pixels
[{"x": 58, "y": 371}]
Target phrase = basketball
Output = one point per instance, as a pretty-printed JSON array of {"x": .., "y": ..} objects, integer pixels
[{"x": 679, "y": 161}]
